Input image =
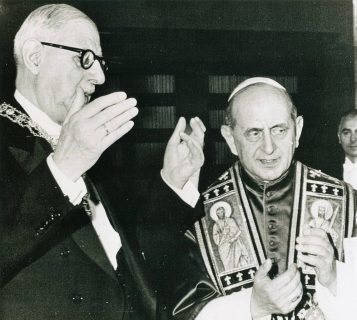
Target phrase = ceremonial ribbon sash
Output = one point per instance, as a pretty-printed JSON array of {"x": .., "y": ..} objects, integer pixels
[{"x": 231, "y": 244}]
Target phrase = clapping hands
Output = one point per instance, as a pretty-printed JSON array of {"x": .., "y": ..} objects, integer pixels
[
  {"x": 315, "y": 249},
  {"x": 184, "y": 153},
  {"x": 279, "y": 295},
  {"x": 91, "y": 128}
]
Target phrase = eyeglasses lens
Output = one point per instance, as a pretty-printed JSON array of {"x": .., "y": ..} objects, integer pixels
[{"x": 87, "y": 59}]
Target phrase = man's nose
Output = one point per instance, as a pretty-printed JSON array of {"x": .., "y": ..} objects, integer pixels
[
  {"x": 268, "y": 143},
  {"x": 96, "y": 74},
  {"x": 353, "y": 137}
]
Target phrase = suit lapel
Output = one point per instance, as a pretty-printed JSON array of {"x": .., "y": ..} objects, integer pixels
[
  {"x": 30, "y": 159},
  {"x": 87, "y": 240},
  {"x": 28, "y": 151}
]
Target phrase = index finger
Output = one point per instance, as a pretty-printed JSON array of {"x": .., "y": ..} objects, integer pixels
[
  {"x": 103, "y": 102},
  {"x": 318, "y": 232},
  {"x": 287, "y": 276},
  {"x": 197, "y": 130},
  {"x": 200, "y": 123},
  {"x": 193, "y": 146},
  {"x": 180, "y": 127},
  {"x": 313, "y": 240},
  {"x": 313, "y": 234}
]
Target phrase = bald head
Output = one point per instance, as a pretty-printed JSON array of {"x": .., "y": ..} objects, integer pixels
[{"x": 257, "y": 93}]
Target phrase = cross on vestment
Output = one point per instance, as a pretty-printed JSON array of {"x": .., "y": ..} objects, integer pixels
[
  {"x": 251, "y": 273},
  {"x": 315, "y": 173},
  {"x": 239, "y": 275},
  {"x": 227, "y": 279},
  {"x": 324, "y": 189},
  {"x": 224, "y": 176}
]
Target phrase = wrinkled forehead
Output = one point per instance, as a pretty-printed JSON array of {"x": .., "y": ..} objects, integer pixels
[
  {"x": 349, "y": 122},
  {"x": 260, "y": 102},
  {"x": 80, "y": 33}
]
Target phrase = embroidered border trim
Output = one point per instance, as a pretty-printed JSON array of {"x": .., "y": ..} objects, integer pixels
[{"x": 24, "y": 121}]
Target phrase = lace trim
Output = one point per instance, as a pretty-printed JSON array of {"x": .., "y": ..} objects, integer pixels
[{"x": 24, "y": 121}]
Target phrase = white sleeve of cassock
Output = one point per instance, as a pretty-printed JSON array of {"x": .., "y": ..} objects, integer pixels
[
  {"x": 235, "y": 306},
  {"x": 344, "y": 304},
  {"x": 347, "y": 281}
]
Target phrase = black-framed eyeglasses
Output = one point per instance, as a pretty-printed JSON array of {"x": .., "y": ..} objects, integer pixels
[{"x": 87, "y": 56}]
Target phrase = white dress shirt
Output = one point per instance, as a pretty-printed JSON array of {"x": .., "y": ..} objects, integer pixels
[
  {"x": 75, "y": 191},
  {"x": 350, "y": 172}
]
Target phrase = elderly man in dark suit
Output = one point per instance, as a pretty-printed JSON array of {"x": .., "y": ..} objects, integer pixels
[{"x": 61, "y": 226}]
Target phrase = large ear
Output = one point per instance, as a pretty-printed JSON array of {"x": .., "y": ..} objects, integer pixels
[
  {"x": 32, "y": 51},
  {"x": 339, "y": 137},
  {"x": 226, "y": 132},
  {"x": 299, "y": 123}
]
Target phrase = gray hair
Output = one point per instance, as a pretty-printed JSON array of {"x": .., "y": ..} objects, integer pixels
[
  {"x": 229, "y": 119},
  {"x": 348, "y": 115},
  {"x": 44, "y": 22}
]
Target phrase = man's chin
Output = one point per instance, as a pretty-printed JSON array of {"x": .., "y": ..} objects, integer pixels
[{"x": 270, "y": 174}]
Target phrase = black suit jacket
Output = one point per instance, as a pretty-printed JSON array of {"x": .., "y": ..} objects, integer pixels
[{"x": 52, "y": 264}]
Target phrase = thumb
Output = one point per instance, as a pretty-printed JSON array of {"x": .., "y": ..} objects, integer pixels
[
  {"x": 77, "y": 104},
  {"x": 180, "y": 127},
  {"x": 264, "y": 268}
]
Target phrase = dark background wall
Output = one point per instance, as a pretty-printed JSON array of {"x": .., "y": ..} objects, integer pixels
[{"x": 183, "y": 58}]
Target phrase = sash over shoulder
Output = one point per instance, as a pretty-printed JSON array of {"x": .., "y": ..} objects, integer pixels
[{"x": 231, "y": 243}]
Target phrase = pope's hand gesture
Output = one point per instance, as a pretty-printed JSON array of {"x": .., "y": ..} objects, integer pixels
[
  {"x": 315, "y": 249},
  {"x": 184, "y": 154},
  {"x": 279, "y": 295}
]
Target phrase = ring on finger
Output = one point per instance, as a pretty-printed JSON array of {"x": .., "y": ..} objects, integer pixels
[
  {"x": 107, "y": 131},
  {"x": 295, "y": 299}
]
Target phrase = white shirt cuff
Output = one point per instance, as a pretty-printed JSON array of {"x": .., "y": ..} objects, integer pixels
[
  {"x": 73, "y": 190},
  {"x": 188, "y": 193}
]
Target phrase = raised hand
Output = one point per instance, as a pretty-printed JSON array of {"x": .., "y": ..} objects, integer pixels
[
  {"x": 90, "y": 129},
  {"x": 280, "y": 295},
  {"x": 184, "y": 155},
  {"x": 315, "y": 249}
]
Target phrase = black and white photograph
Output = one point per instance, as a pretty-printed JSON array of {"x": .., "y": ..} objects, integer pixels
[{"x": 178, "y": 159}]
